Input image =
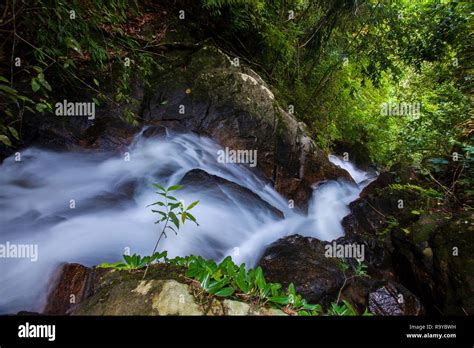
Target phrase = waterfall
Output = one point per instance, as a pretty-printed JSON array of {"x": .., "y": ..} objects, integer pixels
[{"x": 77, "y": 207}]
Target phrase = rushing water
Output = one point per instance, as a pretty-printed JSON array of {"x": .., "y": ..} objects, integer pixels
[{"x": 35, "y": 208}]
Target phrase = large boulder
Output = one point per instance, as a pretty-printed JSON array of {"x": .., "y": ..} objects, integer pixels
[
  {"x": 206, "y": 93},
  {"x": 302, "y": 261},
  {"x": 98, "y": 291},
  {"x": 225, "y": 191},
  {"x": 323, "y": 279},
  {"x": 318, "y": 277}
]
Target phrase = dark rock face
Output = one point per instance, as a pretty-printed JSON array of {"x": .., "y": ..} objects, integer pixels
[
  {"x": 377, "y": 255},
  {"x": 320, "y": 279},
  {"x": 358, "y": 153},
  {"x": 302, "y": 261},
  {"x": 71, "y": 285},
  {"x": 430, "y": 249},
  {"x": 219, "y": 188},
  {"x": 234, "y": 106},
  {"x": 394, "y": 300}
]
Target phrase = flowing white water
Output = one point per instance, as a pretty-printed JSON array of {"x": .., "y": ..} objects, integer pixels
[{"x": 35, "y": 209}]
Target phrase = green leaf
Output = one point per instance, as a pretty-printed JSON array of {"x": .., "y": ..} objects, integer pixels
[
  {"x": 183, "y": 217},
  {"x": 191, "y": 217},
  {"x": 311, "y": 307},
  {"x": 118, "y": 265},
  {"x": 241, "y": 280},
  {"x": 225, "y": 292},
  {"x": 351, "y": 309},
  {"x": 8, "y": 90},
  {"x": 174, "y": 218},
  {"x": 172, "y": 229},
  {"x": 174, "y": 187},
  {"x": 259, "y": 279},
  {"x": 72, "y": 43},
  {"x": 35, "y": 86},
  {"x": 40, "y": 107},
  {"x": 160, "y": 212},
  {"x": 205, "y": 281},
  {"x": 13, "y": 132},
  {"x": 283, "y": 300},
  {"x": 127, "y": 258},
  {"x": 158, "y": 186},
  {"x": 4, "y": 139},
  {"x": 43, "y": 82},
  {"x": 192, "y": 205},
  {"x": 174, "y": 205},
  {"x": 161, "y": 204},
  {"x": 217, "y": 285},
  {"x": 291, "y": 290}
]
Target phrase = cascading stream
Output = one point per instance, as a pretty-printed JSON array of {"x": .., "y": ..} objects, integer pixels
[{"x": 35, "y": 209}]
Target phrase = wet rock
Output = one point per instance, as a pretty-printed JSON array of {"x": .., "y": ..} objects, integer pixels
[
  {"x": 379, "y": 206},
  {"x": 108, "y": 134},
  {"x": 419, "y": 240},
  {"x": 435, "y": 260},
  {"x": 377, "y": 255},
  {"x": 302, "y": 261},
  {"x": 394, "y": 300},
  {"x": 220, "y": 189},
  {"x": 154, "y": 131},
  {"x": 71, "y": 285},
  {"x": 380, "y": 297},
  {"x": 236, "y": 108},
  {"x": 358, "y": 153}
]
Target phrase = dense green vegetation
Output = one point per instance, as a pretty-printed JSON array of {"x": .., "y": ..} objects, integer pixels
[
  {"x": 226, "y": 279},
  {"x": 335, "y": 62}
]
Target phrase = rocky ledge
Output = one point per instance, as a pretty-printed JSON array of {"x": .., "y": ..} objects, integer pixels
[{"x": 80, "y": 290}]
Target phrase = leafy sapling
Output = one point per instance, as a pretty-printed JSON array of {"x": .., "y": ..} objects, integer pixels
[{"x": 172, "y": 212}]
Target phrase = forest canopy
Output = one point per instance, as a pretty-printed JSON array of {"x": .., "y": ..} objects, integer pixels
[{"x": 394, "y": 77}]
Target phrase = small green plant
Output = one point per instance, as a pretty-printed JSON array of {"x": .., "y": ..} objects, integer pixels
[
  {"x": 392, "y": 223},
  {"x": 172, "y": 212},
  {"x": 227, "y": 279},
  {"x": 430, "y": 192},
  {"x": 134, "y": 262},
  {"x": 360, "y": 269},
  {"x": 345, "y": 309}
]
